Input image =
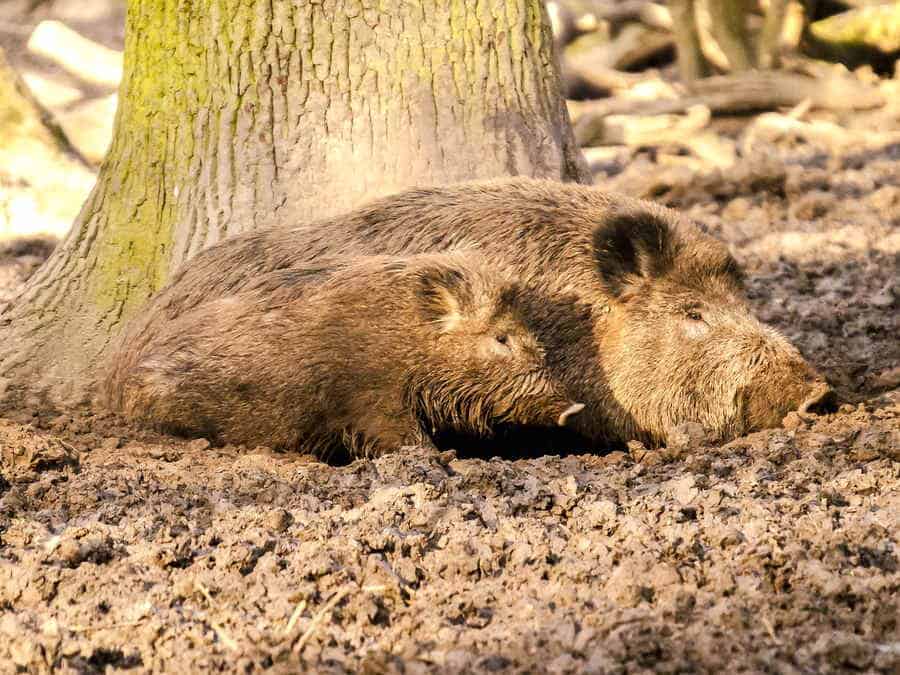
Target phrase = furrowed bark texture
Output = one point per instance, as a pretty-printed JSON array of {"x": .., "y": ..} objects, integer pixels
[{"x": 238, "y": 114}]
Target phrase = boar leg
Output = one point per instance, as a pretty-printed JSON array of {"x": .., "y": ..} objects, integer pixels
[{"x": 375, "y": 436}]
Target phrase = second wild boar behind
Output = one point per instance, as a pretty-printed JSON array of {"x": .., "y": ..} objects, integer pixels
[{"x": 360, "y": 356}]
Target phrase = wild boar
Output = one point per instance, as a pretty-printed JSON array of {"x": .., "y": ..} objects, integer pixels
[{"x": 671, "y": 340}]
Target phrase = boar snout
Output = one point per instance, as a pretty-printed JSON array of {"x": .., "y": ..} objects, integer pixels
[{"x": 789, "y": 384}]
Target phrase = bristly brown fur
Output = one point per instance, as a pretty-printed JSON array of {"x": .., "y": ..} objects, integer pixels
[
  {"x": 638, "y": 273},
  {"x": 364, "y": 355}
]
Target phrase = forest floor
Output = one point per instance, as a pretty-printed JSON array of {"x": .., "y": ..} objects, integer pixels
[{"x": 777, "y": 552}]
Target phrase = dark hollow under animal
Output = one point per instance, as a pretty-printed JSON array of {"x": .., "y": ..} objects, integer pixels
[
  {"x": 361, "y": 356},
  {"x": 671, "y": 336}
]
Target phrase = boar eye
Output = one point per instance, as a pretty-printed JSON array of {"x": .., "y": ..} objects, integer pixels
[
  {"x": 694, "y": 315},
  {"x": 502, "y": 338}
]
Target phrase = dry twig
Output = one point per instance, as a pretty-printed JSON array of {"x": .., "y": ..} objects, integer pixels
[{"x": 319, "y": 618}]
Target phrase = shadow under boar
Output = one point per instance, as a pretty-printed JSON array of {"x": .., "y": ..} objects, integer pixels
[
  {"x": 362, "y": 356},
  {"x": 673, "y": 339}
]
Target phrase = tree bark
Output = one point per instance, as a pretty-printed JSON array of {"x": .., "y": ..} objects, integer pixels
[{"x": 240, "y": 114}]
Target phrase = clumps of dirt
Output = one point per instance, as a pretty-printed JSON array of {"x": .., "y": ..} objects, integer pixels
[
  {"x": 23, "y": 454},
  {"x": 778, "y": 551},
  {"x": 679, "y": 186}
]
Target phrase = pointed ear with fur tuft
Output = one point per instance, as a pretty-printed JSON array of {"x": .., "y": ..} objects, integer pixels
[
  {"x": 444, "y": 293},
  {"x": 632, "y": 246}
]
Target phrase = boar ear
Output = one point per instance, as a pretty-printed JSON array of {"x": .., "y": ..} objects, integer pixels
[
  {"x": 628, "y": 246},
  {"x": 443, "y": 293}
]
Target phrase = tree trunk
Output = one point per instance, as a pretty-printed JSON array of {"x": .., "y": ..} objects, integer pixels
[{"x": 236, "y": 115}]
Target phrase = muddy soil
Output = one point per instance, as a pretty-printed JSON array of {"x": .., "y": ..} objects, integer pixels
[{"x": 778, "y": 552}]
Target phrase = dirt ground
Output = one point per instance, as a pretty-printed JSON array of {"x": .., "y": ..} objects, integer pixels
[{"x": 778, "y": 552}]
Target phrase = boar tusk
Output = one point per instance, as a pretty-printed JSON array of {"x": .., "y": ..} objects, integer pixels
[
  {"x": 821, "y": 396},
  {"x": 573, "y": 409}
]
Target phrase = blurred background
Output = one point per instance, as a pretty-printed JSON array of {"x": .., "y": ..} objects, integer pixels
[
  {"x": 67, "y": 56},
  {"x": 662, "y": 94}
]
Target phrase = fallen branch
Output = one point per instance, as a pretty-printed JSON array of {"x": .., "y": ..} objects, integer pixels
[
  {"x": 741, "y": 93},
  {"x": 600, "y": 81},
  {"x": 634, "y": 44},
  {"x": 650, "y": 13},
  {"x": 23, "y": 116},
  {"x": 636, "y": 130},
  {"x": 754, "y": 91}
]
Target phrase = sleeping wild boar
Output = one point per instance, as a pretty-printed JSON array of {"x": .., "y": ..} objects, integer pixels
[
  {"x": 358, "y": 357},
  {"x": 671, "y": 340}
]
